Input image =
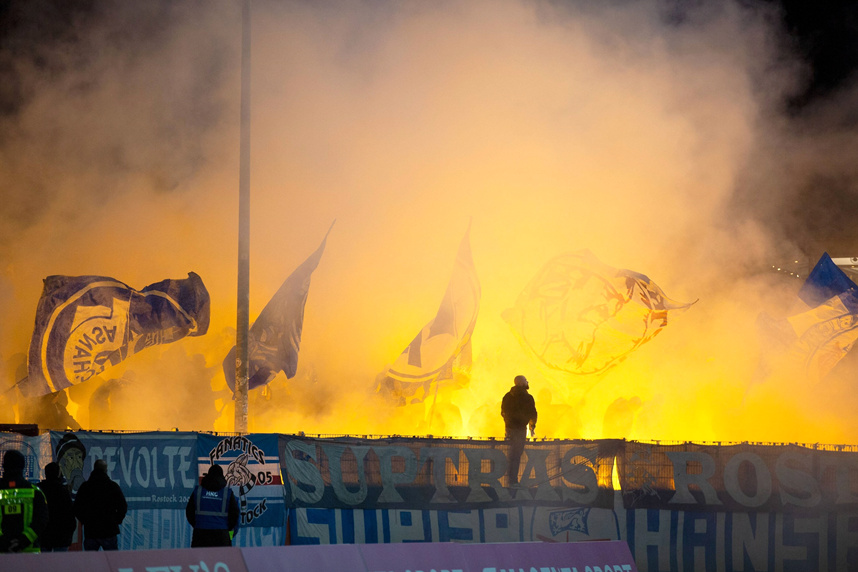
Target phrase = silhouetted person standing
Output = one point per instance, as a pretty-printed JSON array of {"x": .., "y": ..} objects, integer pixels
[
  {"x": 518, "y": 410},
  {"x": 57, "y": 537},
  {"x": 212, "y": 510},
  {"x": 100, "y": 506},
  {"x": 23, "y": 508}
]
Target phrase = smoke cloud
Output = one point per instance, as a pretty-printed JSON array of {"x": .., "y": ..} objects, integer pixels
[{"x": 658, "y": 135}]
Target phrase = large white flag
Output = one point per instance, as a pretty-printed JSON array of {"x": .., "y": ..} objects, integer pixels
[{"x": 582, "y": 316}]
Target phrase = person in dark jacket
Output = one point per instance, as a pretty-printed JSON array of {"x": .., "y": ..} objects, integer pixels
[
  {"x": 518, "y": 410},
  {"x": 57, "y": 537},
  {"x": 212, "y": 510},
  {"x": 100, "y": 506},
  {"x": 23, "y": 508}
]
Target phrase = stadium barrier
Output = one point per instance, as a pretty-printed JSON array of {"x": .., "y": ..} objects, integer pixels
[{"x": 608, "y": 556}]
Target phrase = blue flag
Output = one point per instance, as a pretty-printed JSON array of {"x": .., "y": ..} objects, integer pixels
[
  {"x": 274, "y": 338},
  {"x": 825, "y": 281},
  {"x": 820, "y": 337},
  {"x": 443, "y": 347},
  {"x": 87, "y": 323}
]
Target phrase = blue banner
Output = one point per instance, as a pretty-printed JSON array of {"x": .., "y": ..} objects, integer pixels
[
  {"x": 36, "y": 451},
  {"x": 511, "y": 524},
  {"x": 154, "y": 470},
  {"x": 443, "y": 474},
  {"x": 251, "y": 466}
]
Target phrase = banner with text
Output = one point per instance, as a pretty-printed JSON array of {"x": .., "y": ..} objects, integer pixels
[
  {"x": 743, "y": 477},
  {"x": 448, "y": 474},
  {"x": 251, "y": 466},
  {"x": 156, "y": 470}
]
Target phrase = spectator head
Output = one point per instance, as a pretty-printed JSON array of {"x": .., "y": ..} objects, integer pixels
[
  {"x": 70, "y": 442},
  {"x": 13, "y": 464},
  {"x": 100, "y": 466},
  {"x": 52, "y": 471}
]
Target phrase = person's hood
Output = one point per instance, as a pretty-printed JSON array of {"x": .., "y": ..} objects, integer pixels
[
  {"x": 212, "y": 482},
  {"x": 98, "y": 476},
  {"x": 518, "y": 389}
]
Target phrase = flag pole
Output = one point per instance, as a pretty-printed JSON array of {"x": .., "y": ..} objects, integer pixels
[{"x": 243, "y": 302}]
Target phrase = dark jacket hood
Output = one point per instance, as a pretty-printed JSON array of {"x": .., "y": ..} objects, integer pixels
[{"x": 213, "y": 481}]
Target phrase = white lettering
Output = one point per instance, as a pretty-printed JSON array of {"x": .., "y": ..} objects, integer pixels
[
  {"x": 578, "y": 472},
  {"x": 800, "y": 481},
  {"x": 438, "y": 457},
  {"x": 335, "y": 453},
  {"x": 302, "y": 472},
  {"x": 170, "y": 452},
  {"x": 143, "y": 478},
  {"x": 390, "y": 478},
  {"x": 477, "y": 478},
  {"x": 646, "y": 537},
  {"x": 683, "y": 481},
  {"x": 762, "y": 476},
  {"x": 184, "y": 465},
  {"x": 751, "y": 539},
  {"x": 537, "y": 466},
  {"x": 126, "y": 465}
]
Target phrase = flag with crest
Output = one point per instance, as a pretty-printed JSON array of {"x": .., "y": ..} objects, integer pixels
[
  {"x": 817, "y": 339},
  {"x": 85, "y": 324},
  {"x": 442, "y": 349},
  {"x": 582, "y": 316}
]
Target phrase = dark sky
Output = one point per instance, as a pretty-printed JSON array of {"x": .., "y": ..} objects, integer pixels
[
  {"x": 826, "y": 37},
  {"x": 826, "y": 34}
]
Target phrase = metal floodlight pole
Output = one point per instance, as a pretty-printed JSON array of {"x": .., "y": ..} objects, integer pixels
[{"x": 243, "y": 307}]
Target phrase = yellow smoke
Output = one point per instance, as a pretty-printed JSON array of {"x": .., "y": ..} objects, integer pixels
[{"x": 554, "y": 128}]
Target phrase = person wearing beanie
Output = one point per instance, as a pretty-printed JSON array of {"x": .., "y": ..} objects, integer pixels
[
  {"x": 518, "y": 410},
  {"x": 70, "y": 455},
  {"x": 212, "y": 510},
  {"x": 57, "y": 537},
  {"x": 23, "y": 507},
  {"x": 100, "y": 506}
]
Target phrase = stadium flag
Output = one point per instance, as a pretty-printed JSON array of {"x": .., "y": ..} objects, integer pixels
[
  {"x": 442, "y": 349},
  {"x": 582, "y": 316},
  {"x": 821, "y": 336},
  {"x": 86, "y": 323},
  {"x": 824, "y": 282},
  {"x": 274, "y": 338}
]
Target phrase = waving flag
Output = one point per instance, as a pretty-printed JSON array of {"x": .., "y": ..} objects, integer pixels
[
  {"x": 582, "y": 316},
  {"x": 825, "y": 282},
  {"x": 274, "y": 338},
  {"x": 443, "y": 346},
  {"x": 817, "y": 339},
  {"x": 86, "y": 323}
]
